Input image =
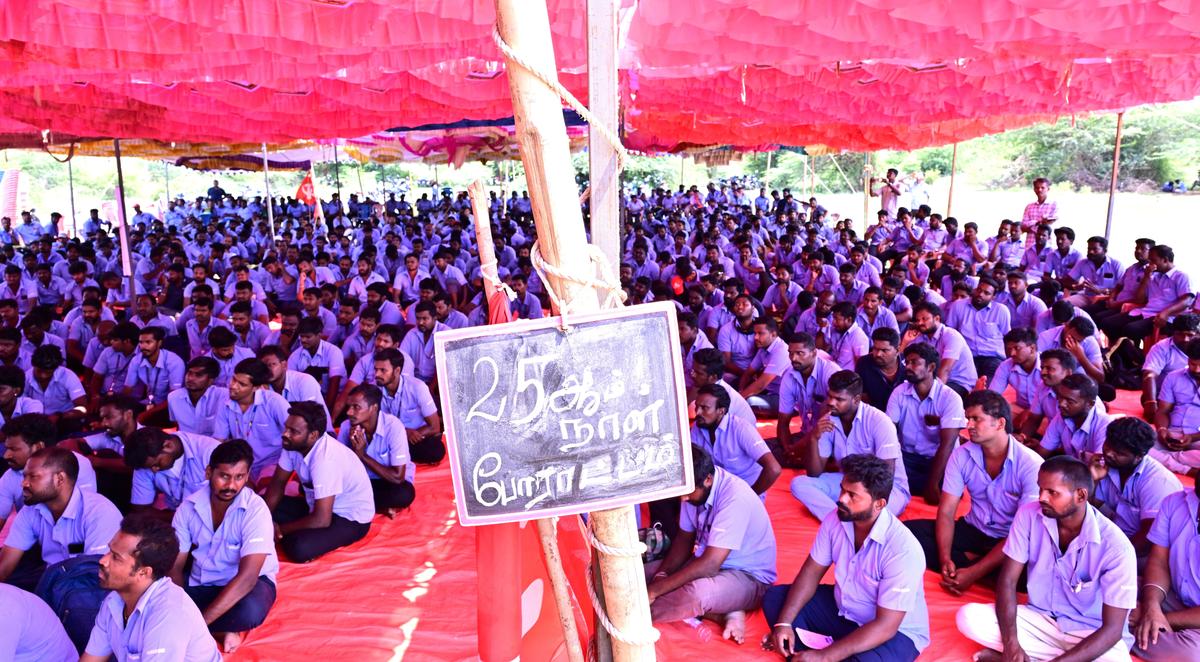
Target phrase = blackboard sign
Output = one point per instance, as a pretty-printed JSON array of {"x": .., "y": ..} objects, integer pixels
[{"x": 542, "y": 422}]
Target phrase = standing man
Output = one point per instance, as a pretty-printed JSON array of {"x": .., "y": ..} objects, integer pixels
[
  {"x": 337, "y": 505},
  {"x": 146, "y": 613},
  {"x": 1039, "y": 212},
  {"x": 723, "y": 559},
  {"x": 1082, "y": 579},
  {"x": 1000, "y": 474},
  {"x": 234, "y": 590},
  {"x": 929, "y": 417},
  {"x": 876, "y": 608},
  {"x": 848, "y": 428},
  {"x": 889, "y": 191}
]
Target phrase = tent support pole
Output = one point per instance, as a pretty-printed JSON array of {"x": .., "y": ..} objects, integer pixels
[
  {"x": 604, "y": 171},
  {"x": 123, "y": 234},
  {"x": 1116, "y": 170},
  {"x": 166, "y": 178},
  {"x": 953, "y": 171},
  {"x": 545, "y": 151},
  {"x": 267, "y": 182},
  {"x": 71, "y": 186},
  {"x": 866, "y": 181},
  {"x": 337, "y": 173}
]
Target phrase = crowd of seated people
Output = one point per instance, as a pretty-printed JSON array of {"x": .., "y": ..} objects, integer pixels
[{"x": 156, "y": 424}]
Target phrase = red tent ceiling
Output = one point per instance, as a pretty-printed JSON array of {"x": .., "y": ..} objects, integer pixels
[{"x": 854, "y": 74}]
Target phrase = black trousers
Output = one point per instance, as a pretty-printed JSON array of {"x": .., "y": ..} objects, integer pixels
[
  {"x": 429, "y": 450},
  {"x": 247, "y": 614},
  {"x": 392, "y": 495},
  {"x": 307, "y": 544},
  {"x": 967, "y": 540},
  {"x": 986, "y": 366},
  {"x": 1123, "y": 325},
  {"x": 917, "y": 467}
]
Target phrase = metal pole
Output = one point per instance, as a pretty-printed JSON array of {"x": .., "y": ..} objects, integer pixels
[
  {"x": 953, "y": 170},
  {"x": 604, "y": 171},
  {"x": 270, "y": 204},
  {"x": 123, "y": 230},
  {"x": 1112, "y": 185},
  {"x": 167, "y": 177},
  {"x": 337, "y": 174},
  {"x": 71, "y": 185}
]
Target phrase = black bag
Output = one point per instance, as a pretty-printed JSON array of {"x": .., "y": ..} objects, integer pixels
[{"x": 1123, "y": 365}]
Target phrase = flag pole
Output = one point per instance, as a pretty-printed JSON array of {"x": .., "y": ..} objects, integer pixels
[
  {"x": 1116, "y": 170},
  {"x": 267, "y": 181},
  {"x": 123, "y": 229}
]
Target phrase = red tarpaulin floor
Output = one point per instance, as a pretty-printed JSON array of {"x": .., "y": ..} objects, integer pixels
[{"x": 408, "y": 590}]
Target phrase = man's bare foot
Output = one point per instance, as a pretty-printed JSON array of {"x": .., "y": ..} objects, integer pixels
[
  {"x": 989, "y": 655},
  {"x": 228, "y": 641},
  {"x": 392, "y": 512},
  {"x": 735, "y": 626}
]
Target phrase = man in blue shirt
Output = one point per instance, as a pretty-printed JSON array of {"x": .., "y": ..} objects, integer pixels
[
  {"x": 875, "y": 610},
  {"x": 32, "y": 631},
  {"x": 928, "y": 416},
  {"x": 380, "y": 441},
  {"x": 233, "y": 591},
  {"x": 1131, "y": 485},
  {"x": 146, "y": 616},
  {"x": 169, "y": 464},
  {"x": 1165, "y": 623}
]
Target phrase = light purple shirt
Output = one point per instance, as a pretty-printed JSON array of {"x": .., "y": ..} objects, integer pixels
[
  {"x": 1099, "y": 568},
  {"x": 201, "y": 417},
  {"x": 333, "y": 470},
  {"x": 165, "y": 625},
  {"x": 983, "y": 329},
  {"x": 420, "y": 348},
  {"x": 689, "y": 357},
  {"x": 735, "y": 446},
  {"x": 871, "y": 432},
  {"x": 1061, "y": 265},
  {"x": 181, "y": 479},
  {"x": 739, "y": 345},
  {"x": 89, "y": 520},
  {"x": 854, "y": 295},
  {"x": 60, "y": 392},
  {"x": 1141, "y": 496},
  {"x": 950, "y": 344},
  {"x": 157, "y": 379},
  {"x": 1052, "y": 339},
  {"x": 1175, "y": 529},
  {"x": 920, "y": 422},
  {"x": 994, "y": 501},
  {"x": 328, "y": 359},
  {"x": 805, "y": 396},
  {"x": 846, "y": 347},
  {"x": 1077, "y": 440},
  {"x": 733, "y": 518},
  {"x": 1164, "y": 357},
  {"x": 246, "y": 530},
  {"x": 1164, "y": 290},
  {"x": 883, "y": 318},
  {"x": 32, "y": 631},
  {"x": 772, "y": 360},
  {"x": 1024, "y": 384},
  {"x": 388, "y": 446},
  {"x": 1024, "y": 314},
  {"x": 261, "y": 425},
  {"x": 412, "y": 403},
  {"x": 1181, "y": 391},
  {"x": 888, "y": 571},
  {"x": 1106, "y": 276}
]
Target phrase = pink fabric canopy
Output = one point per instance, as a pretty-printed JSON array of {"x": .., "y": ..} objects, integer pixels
[{"x": 852, "y": 74}]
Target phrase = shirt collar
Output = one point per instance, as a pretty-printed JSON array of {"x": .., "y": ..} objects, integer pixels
[
  {"x": 879, "y": 530},
  {"x": 1089, "y": 534}
]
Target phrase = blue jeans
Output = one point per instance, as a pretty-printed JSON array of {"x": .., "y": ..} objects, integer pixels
[
  {"x": 247, "y": 614},
  {"x": 820, "y": 615}
]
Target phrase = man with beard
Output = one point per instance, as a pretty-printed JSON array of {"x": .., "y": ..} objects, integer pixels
[
  {"x": 318, "y": 358},
  {"x": 735, "y": 339},
  {"x": 23, "y": 436},
  {"x": 709, "y": 368},
  {"x": 982, "y": 323},
  {"x": 154, "y": 373},
  {"x": 929, "y": 417},
  {"x": 61, "y": 517},
  {"x": 146, "y": 613},
  {"x": 848, "y": 428},
  {"x": 172, "y": 465},
  {"x": 1126, "y": 289},
  {"x": 289, "y": 321},
  {"x": 815, "y": 320},
  {"x": 1001, "y": 475},
  {"x": 1167, "y": 356},
  {"x": 691, "y": 342},
  {"x": 873, "y": 315},
  {"x": 957, "y": 366},
  {"x": 380, "y": 441},
  {"x": 845, "y": 342},
  {"x": 723, "y": 559},
  {"x": 194, "y": 407},
  {"x": 1164, "y": 292},
  {"x": 418, "y": 343},
  {"x": 1166, "y": 623},
  {"x": 1131, "y": 485},
  {"x": 337, "y": 505},
  {"x": 254, "y": 413},
  {"x": 734, "y": 444},
  {"x": 13, "y": 402},
  {"x": 1082, "y": 579},
  {"x": 760, "y": 382},
  {"x": 1095, "y": 276},
  {"x": 1023, "y": 308},
  {"x": 234, "y": 592},
  {"x": 876, "y": 608},
  {"x": 1079, "y": 427}
]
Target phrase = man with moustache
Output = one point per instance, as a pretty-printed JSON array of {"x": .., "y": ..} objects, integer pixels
[
  {"x": 928, "y": 416},
  {"x": 380, "y": 441},
  {"x": 233, "y": 591},
  {"x": 875, "y": 610},
  {"x": 723, "y": 559},
  {"x": 1082, "y": 579}
]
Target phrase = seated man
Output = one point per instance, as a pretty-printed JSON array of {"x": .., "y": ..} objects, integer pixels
[
  {"x": 957, "y": 367},
  {"x": 162, "y": 620},
  {"x": 194, "y": 407},
  {"x": 802, "y": 392},
  {"x": 734, "y": 444},
  {"x": 13, "y": 401},
  {"x": 154, "y": 372},
  {"x": 1177, "y": 416},
  {"x": 61, "y": 518},
  {"x": 760, "y": 382},
  {"x": 982, "y": 321},
  {"x": 1000, "y": 474},
  {"x": 337, "y": 505},
  {"x": 1020, "y": 370},
  {"x": 850, "y": 428},
  {"x": 876, "y": 608},
  {"x": 1167, "y": 621},
  {"x": 380, "y": 441},
  {"x": 928, "y": 416},
  {"x": 1076, "y": 337},
  {"x": 1082, "y": 579},
  {"x": 59, "y": 390},
  {"x": 1165, "y": 357},
  {"x": 881, "y": 370},
  {"x": 408, "y": 399},
  {"x": 234, "y": 590},
  {"x": 708, "y": 367},
  {"x": 24, "y": 436},
  {"x": 105, "y": 448},
  {"x": 32, "y": 631},
  {"x": 1131, "y": 485},
  {"x": 844, "y": 341},
  {"x": 1078, "y": 428},
  {"x": 255, "y": 413},
  {"x": 171, "y": 464},
  {"x": 723, "y": 559}
]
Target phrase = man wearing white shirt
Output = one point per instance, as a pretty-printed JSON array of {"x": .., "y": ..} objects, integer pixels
[
  {"x": 172, "y": 465},
  {"x": 380, "y": 441},
  {"x": 194, "y": 408}
]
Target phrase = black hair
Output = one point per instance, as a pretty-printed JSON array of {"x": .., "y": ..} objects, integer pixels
[
  {"x": 926, "y": 352},
  {"x": 33, "y": 428},
  {"x": 1084, "y": 385},
  {"x": 312, "y": 413},
  {"x": 993, "y": 404},
  {"x": 717, "y": 392},
  {"x": 871, "y": 472},
  {"x": 144, "y": 444},
  {"x": 702, "y": 464},
  {"x": 846, "y": 381},
  {"x": 255, "y": 369},
  {"x": 886, "y": 334},
  {"x": 157, "y": 545},
  {"x": 1075, "y": 472},
  {"x": 1021, "y": 334},
  {"x": 1132, "y": 435}
]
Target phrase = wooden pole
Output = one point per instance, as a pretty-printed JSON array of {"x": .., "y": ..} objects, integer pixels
[
  {"x": 270, "y": 204},
  {"x": 71, "y": 184},
  {"x": 542, "y": 138},
  {"x": 166, "y": 177},
  {"x": 123, "y": 230},
  {"x": 866, "y": 177},
  {"x": 953, "y": 170},
  {"x": 337, "y": 173},
  {"x": 1116, "y": 170},
  {"x": 548, "y": 535},
  {"x": 603, "y": 168}
]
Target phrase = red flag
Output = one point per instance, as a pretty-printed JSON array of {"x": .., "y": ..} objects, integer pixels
[{"x": 307, "y": 194}]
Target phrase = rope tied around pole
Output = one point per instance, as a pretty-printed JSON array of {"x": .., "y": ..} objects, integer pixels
[
  {"x": 551, "y": 82},
  {"x": 487, "y": 270},
  {"x": 614, "y": 297},
  {"x": 647, "y": 637}
]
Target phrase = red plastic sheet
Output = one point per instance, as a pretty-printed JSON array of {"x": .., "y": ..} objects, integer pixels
[{"x": 849, "y": 74}]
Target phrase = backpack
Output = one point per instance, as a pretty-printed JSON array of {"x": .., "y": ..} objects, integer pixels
[
  {"x": 1123, "y": 365},
  {"x": 72, "y": 589}
]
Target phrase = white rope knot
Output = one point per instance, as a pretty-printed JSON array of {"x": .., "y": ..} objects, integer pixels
[
  {"x": 614, "y": 296},
  {"x": 551, "y": 81},
  {"x": 487, "y": 271},
  {"x": 648, "y": 636}
]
